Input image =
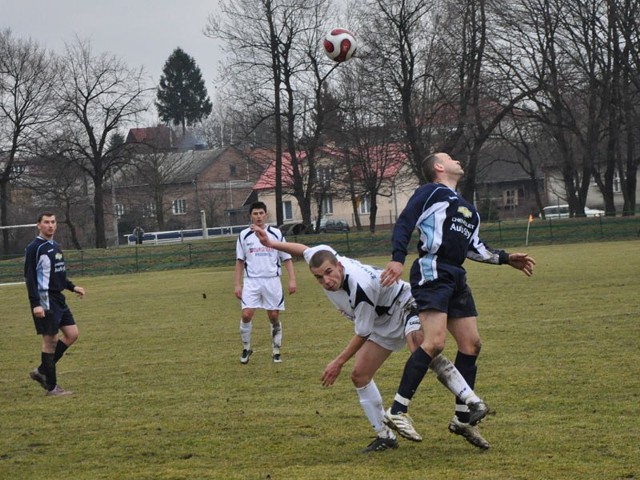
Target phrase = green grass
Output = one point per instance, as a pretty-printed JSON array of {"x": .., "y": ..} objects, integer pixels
[{"x": 161, "y": 394}]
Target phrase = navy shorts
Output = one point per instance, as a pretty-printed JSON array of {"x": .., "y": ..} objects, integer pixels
[
  {"x": 448, "y": 293},
  {"x": 59, "y": 315}
]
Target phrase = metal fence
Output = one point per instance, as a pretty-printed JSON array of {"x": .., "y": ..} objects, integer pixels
[{"x": 220, "y": 251}]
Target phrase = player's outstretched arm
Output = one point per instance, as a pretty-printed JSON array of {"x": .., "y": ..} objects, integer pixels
[
  {"x": 295, "y": 249},
  {"x": 523, "y": 262}
]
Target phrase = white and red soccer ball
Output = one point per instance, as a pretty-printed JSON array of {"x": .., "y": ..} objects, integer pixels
[{"x": 340, "y": 44}]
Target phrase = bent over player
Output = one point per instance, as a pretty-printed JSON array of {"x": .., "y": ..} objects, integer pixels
[
  {"x": 448, "y": 227},
  {"x": 46, "y": 277},
  {"x": 384, "y": 319},
  {"x": 257, "y": 281}
]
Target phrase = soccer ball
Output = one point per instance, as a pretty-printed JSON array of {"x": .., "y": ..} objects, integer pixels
[{"x": 340, "y": 44}]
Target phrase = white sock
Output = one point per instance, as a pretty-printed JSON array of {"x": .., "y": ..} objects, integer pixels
[
  {"x": 276, "y": 336},
  {"x": 371, "y": 402},
  {"x": 245, "y": 334},
  {"x": 451, "y": 378}
]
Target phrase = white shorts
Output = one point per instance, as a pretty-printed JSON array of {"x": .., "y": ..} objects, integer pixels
[
  {"x": 262, "y": 293},
  {"x": 402, "y": 322}
]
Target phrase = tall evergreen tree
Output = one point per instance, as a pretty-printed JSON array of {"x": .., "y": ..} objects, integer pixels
[{"x": 182, "y": 96}]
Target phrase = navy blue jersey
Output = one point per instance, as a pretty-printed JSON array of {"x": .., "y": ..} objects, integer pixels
[
  {"x": 448, "y": 226},
  {"x": 44, "y": 271}
]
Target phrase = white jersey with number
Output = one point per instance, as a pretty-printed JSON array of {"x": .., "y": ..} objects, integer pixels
[
  {"x": 260, "y": 261},
  {"x": 377, "y": 312}
]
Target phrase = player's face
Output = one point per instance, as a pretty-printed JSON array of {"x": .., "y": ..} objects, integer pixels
[
  {"x": 451, "y": 166},
  {"x": 330, "y": 276},
  {"x": 258, "y": 217},
  {"x": 47, "y": 226}
]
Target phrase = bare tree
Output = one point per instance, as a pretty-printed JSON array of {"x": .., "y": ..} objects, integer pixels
[
  {"x": 99, "y": 95},
  {"x": 399, "y": 37},
  {"x": 278, "y": 39},
  {"x": 28, "y": 77}
]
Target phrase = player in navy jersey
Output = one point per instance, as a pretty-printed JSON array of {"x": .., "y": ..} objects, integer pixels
[
  {"x": 448, "y": 226},
  {"x": 46, "y": 278},
  {"x": 384, "y": 320},
  {"x": 257, "y": 281}
]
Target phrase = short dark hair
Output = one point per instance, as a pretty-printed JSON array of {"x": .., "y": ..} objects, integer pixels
[
  {"x": 45, "y": 214},
  {"x": 320, "y": 257},
  {"x": 427, "y": 167},
  {"x": 257, "y": 206}
]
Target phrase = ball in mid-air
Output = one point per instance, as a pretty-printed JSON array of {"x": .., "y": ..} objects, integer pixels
[{"x": 340, "y": 44}]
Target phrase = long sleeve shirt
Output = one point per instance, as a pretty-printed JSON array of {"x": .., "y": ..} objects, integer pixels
[{"x": 448, "y": 226}]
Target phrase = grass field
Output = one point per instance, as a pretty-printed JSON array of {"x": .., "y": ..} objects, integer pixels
[{"x": 161, "y": 394}]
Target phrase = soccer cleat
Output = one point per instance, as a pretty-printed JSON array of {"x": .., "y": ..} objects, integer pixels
[
  {"x": 380, "y": 444},
  {"x": 469, "y": 432},
  {"x": 402, "y": 424},
  {"x": 244, "y": 358},
  {"x": 39, "y": 377},
  {"x": 58, "y": 391},
  {"x": 477, "y": 411},
  {"x": 277, "y": 358}
]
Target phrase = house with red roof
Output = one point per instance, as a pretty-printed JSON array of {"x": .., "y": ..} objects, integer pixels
[{"x": 345, "y": 179}]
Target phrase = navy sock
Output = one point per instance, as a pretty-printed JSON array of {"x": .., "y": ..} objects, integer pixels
[
  {"x": 466, "y": 365},
  {"x": 414, "y": 371},
  {"x": 49, "y": 369},
  {"x": 61, "y": 347}
]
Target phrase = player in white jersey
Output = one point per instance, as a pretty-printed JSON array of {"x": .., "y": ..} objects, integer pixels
[
  {"x": 384, "y": 320},
  {"x": 257, "y": 281}
]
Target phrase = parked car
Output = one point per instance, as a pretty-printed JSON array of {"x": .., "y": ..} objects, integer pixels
[
  {"x": 555, "y": 211},
  {"x": 289, "y": 229},
  {"x": 562, "y": 211},
  {"x": 334, "y": 225},
  {"x": 593, "y": 212}
]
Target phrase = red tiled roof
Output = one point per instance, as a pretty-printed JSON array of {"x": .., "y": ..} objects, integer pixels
[{"x": 392, "y": 158}]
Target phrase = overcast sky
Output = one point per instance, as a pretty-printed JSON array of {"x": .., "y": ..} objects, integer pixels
[{"x": 141, "y": 32}]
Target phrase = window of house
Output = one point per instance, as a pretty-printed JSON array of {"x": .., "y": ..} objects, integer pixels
[
  {"x": 179, "y": 206},
  {"x": 365, "y": 204},
  {"x": 324, "y": 176},
  {"x": 510, "y": 197},
  {"x": 287, "y": 210},
  {"x": 232, "y": 170},
  {"x": 119, "y": 210},
  {"x": 327, "y": 204},
  {"x": 616, "y": 183},
  {"x": 149, "y": 210}
]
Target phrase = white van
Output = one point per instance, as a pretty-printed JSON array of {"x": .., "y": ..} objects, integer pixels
[
  {"x": 562, "y": 211},
  {"x": 555, "y": 211}
]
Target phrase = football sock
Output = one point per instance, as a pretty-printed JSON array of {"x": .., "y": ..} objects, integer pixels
[
  {"x": 245, "y": 334},
  {"x": 466, "y": 365},
  {"x": 414, "y": 371},
  {"x": 61, "y": 347},
  {"x": 49, "y": 369},
  {"x": 451, "y": 378},
  {"x": 371, "y": 402},
  {"x": 276, "y": 335}
]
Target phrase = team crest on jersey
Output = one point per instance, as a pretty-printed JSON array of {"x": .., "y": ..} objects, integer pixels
[
  {"x": 58, "y": 256},
  {"x": 465, "y": 212}
]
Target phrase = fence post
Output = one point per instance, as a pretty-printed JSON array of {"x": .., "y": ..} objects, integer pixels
[{"x": 137, "y": 259}]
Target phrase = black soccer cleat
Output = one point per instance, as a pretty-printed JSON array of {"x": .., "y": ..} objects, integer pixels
[
  {"x": 477, "y": 411},
  {"x": 381, "y": 444},
  {"x": 244, "y": 358}
]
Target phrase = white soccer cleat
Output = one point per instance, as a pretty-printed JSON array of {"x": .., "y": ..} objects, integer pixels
[
  {"x": 469, "y": 432},
  {"x": 402, "y": 423}
]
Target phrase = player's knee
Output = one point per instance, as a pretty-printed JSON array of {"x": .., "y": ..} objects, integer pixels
[{"x": 359, "y": 378}]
